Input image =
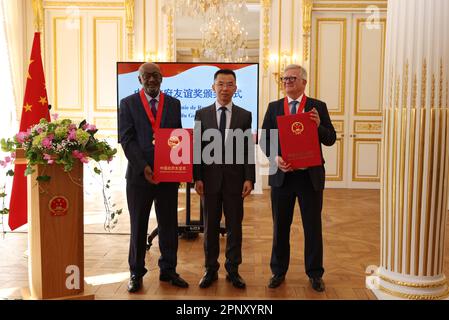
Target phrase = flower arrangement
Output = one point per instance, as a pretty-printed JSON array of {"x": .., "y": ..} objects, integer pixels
[{"x": 60, "y": 142}]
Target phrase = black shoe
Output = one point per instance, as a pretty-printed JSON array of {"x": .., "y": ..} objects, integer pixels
[
  {"x": 134, "y": 284},
  {"x": 174, "y": 279},
  {"x": 276, "y": 280},
  {"x": 236, "y": 280},
  {"x": 317, "y": 284},
  {"x": 208, "y": 278}
]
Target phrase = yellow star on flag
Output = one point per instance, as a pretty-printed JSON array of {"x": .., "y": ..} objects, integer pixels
[
  {"x": 27, "y": 107},
  {"x": 43, "y": 100}
]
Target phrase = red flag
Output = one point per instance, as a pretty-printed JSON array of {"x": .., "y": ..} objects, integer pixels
[{"x": 35, "y": 107}]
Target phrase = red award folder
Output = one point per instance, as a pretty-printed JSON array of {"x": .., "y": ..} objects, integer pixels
[
  {"x": 173, "y": 155},
  {"x": 298, "y": 136}
]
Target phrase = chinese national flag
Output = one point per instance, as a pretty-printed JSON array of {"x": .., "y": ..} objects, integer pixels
[{"x": 35, "y": 107}]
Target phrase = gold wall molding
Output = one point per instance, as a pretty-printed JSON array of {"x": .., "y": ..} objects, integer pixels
[
  {"x": 306, "y": 26},
  {"x": 38, "y": 13},
  {"x": 339, "y": 145},
  {"x": 342, "y": 83},
  {"x": 55, "y": 68},
  {"x": 84, "y": 5},
  {"x": 368, "y": 126},
  {"x": 119, "y": 51},
  {"x": 266, "y": 34},
  {"x": 129, "y": 11},
  {"x": 358, "y": 46},
  {"x": 356, "y": 155},
  {"x": 170, "y": 40}
]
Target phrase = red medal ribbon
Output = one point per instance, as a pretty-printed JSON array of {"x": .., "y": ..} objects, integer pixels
[
  {"x": 155, "y": 123},
  {"x": 301, "y": 106}
]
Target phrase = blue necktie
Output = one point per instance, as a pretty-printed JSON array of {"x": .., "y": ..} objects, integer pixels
[
  {"x": 293, "y": 103},
  {"x": 153, "y": 107}
]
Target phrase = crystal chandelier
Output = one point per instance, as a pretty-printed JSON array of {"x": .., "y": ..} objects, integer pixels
[{"x": 223, "y": 37}]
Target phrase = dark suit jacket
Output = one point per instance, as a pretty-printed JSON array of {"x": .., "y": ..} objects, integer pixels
[
  {"x": 226, "y": 177},
  {"x": 136, "y": 133},
  {"x": 326, "y": 135}
]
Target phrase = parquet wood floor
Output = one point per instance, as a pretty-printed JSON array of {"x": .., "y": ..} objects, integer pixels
[{"x": 351, "y": 243}]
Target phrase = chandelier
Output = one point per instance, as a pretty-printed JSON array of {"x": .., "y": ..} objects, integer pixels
[{"x": 224, "y": 39}]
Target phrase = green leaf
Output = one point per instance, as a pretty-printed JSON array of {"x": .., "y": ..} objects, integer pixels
[
  {"x": 4, "y": 211},
  {"x": 43, "y": 178},
  {"x": 97, "y": 171},
  {"x": 2, "y": 195},
  {"x": 29, "y": 170},
  {"x": 82, "y": 123},
  {"x": 10, "y": 173}
]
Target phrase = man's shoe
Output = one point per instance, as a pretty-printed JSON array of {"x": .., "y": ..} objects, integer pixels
[
  {"x": 134, "y": 284},
  {"x": 276, "y": 280},
  {"x": 317, "y": 284},
  {"x": 236, "y": 280},
  {"x": 208, "y": 278},
  {"x": 174, "y": 279}
]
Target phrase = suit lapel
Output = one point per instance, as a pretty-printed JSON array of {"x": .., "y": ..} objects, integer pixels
[
  {"x": 164, "y": 113},
  {"x": 212, "y": 118},
  {"x": 234, "y": 117},
  {"x": 309, "y": 105}
]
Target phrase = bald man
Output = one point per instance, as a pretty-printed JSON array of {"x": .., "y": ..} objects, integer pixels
[{"x": 139, "y": 117}]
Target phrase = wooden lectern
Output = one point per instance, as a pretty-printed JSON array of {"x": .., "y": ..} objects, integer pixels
[{"x": 56, "y": 234}]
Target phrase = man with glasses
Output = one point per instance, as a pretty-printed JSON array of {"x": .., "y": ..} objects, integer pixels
[
  {"x": 224, "y": 182},
  {"x": 141, "y": 114},
  {"x": 304, "y": 184}
]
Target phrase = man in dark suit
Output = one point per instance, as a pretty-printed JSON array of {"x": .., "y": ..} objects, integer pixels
[
  {"x": 223, "y": 180},
  {"x": 305, "y": 184},
  {"x": 141, "y": 114}
]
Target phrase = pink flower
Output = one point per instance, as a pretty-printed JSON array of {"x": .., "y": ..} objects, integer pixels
[
  {"x": 72, "y": 134},
  {"x": 13, "y": 155},
  {"x": 55, "y": 116},
  {"x": 89, "y": 127},
  {"x": 21, "y": 136},
  {"x": 39, "y": 130},
  {"x": 79, "y": 155},
  {"x": 50, "y": 161},
  {"x": 47, "y": 156},
  {"x": 3, "y": 163},
  {"x": 46, "y": 143},
  {"x": 72, "y": 126},
  {"x": 7, "y": 159}
]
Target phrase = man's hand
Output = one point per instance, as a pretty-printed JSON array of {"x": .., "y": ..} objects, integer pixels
[
  {"x": 149, "y": 175},
  {"x": 282, "y": 165},
  {"x": 247, "y": 188},
  {"x": 315, "y": 117},
  {"x": 199, "y": 187}
]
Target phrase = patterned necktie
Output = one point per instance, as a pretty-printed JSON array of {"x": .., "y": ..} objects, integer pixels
[
  {"x": 293, "y": 103},
  {"x": 153, "y": 107}
]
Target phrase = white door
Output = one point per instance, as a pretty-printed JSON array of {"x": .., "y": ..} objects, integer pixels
[{"x": 347, "y": 74}]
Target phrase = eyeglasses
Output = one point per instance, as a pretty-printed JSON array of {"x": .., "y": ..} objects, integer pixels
[
  {"x": 288, "y": 79},
  {"x": 147, "y": 76},
  {"x": 223, "y": 85}
]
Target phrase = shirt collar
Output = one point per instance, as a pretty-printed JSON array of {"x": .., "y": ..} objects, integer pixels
[
  {"x": 228, "y": 106},
  {"x": 299, "y": 99},
  {"x": 150, "y": 97}
]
